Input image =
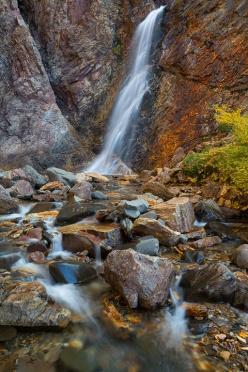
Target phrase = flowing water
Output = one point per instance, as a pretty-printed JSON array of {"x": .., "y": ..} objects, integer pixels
[{"x": 126, "y": 108}]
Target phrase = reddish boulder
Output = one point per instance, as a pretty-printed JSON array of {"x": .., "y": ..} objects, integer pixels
[
  {"x": 206, "y": 242},
  {"x": 37, "y": 257},
  {"x": 38, "y": 246},
  {"x": 143, "y": 281},
  {"x": 22, "y": 190},
  {"x": 149, "y": 226},
  {"x": 82, "y": 190}
]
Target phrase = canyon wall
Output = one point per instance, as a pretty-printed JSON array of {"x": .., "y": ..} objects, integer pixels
[{"x": 62, "y": 63}]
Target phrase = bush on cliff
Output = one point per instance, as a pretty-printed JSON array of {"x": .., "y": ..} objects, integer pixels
[{"x": 227, "y": 164}]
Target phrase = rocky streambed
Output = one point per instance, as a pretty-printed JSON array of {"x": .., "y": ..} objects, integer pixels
[{"x": 122, "y": 273}]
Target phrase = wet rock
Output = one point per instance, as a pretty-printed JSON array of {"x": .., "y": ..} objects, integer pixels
[
  {"x": 145, "y": 245},
  {"x": 208, "y": 210},
  {"x": 14, "y": 176},
  {"x": 142, "y": 281},
  {"x": 7, "y": 204},
  {"x": 99, "y": 195},
  {"x": 95, "y": 177},
  {"x": 240, "y": 256},
  {"x": 52, "y": 186},
  {"x": 82, "y": 190},
  {"x": 127, "y": 225},
  {"x": 8, "y": 260},
  {"x": 48, "y": 197},
  {"x": 70, "y": 214},
  {"x": 72, "y": 272},
  {"x": 22, "y": 190},
  {"x": 191, "y": 255},
  {"x": 36, "y": 179},
  {"x": 150, "y": 214},
  {"x": 148, "y": 226},
  {"x": 214, "y": 282},
  {"x": 56, "y": 174},
  {"x": 196, "y": 233},
  {"x": 7, "y": 333},
  {"x": 109, "y": 231},
  {"x": 240, "y": 298},
  {"x": 74, "y": 359},
  {"x": 158, "y": 189},
  {"x": 178, "y": 214},
  {"x": 35, "y": 233},
  {"x": 82, "y": 240},
  {"x": 43, "y": 207},
  {"x": 37, "y": 257},
  {"x": 230, "y": 213},
  {"x": 38, "y": 246},
  {"x": 20, "y": 274},
  {"x": 133, "y": 208},
  {"x": 219, "y": 229},
  {"x": 26, "y": 304},
  {"x": 206, "y": 242}
]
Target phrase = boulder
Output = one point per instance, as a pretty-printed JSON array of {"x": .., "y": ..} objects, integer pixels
[
  {"x": 230, "y": 213},
  {"x": 142, "y": 281},
  {"x": 36, "y": 179},
  {"x": 240, "y": 298},
  {"x": 145, "y": 245},
  {"x": 22, "y": 190},
  {"x": 150, "y": 214},
  {"x": 133, "y": 208},
  {"x": 37, "y": 257},
  {"x": 240, "y": 256},
  {"x": 158, "y": 189},
  {"x": 164, "y": 177},
  {"x": 213, "y": 283},
  {"x": 56, "y": 174},
  {"x": 196, "y": 233},
  {"x": 8, "y": 260},
  {"x": 219, "y": 229},
  {"x": 26, "y": 304},
  {"x": 38, "y": 246},
  {"x": 82, "y": 190},
  {"x": 208, "y": 210},
  {"x": 94, "y": 177},
  {"x": 7, "y": 204},
  {"x": 82, "y": 240},
  {"x": 127, "y": 226},
  {"x": 71, "y": 213},
  {"x": 14, "y": 176},
  {"x": 99, "y": 195},
  {"x": 43, "y": 207},
  {"x": 52, "y": 186},
  {"x": 206, "y": 242},
  {"x": 178, "y": 213},
  {"x": 149, "y": 226},
  {"x": 72, "y": 272},
  {"x": 109, "y": 231}
]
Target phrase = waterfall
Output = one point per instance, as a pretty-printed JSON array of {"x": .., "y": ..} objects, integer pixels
[{"x": 127, "y": 105}]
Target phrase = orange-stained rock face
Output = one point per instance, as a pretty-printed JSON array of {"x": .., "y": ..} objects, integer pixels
[{"x": 204, "y": 61}]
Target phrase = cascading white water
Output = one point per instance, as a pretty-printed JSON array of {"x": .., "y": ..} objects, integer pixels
[{"x": 127, "y": 105}]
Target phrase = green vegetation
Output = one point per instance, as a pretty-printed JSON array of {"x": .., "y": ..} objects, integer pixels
[
  {"x": 117, "y": 50},
  {"x": 227, "y": 164}
]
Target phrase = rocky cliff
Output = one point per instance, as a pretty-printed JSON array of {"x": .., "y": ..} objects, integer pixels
[{"x": 61, "y": 64}]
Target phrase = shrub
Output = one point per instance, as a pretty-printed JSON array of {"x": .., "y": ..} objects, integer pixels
[{"x": 227, "y": 164}]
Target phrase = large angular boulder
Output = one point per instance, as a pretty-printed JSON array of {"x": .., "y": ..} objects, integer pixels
[
  {"x": 56, "y": 174},
  {"x": 219, "y": 229},
  {"x": 22, "y": 190},
  {"x": 142, "y": 281},
  {"x": 14, "y": 176},
  {"x": 36, "y": 179},
  {"x": 149, "y": 226},
  {"x": 133, "y": 208},
  {"x": 7, "y": 204},
  {"x": 27, "y": 304},
  {"x": 158, "y": 189},
  {"x": 72, "y": 272},
  {"x": 208, "y": 210},
  {"x": 178, "y": 213},
  {"x": 214, "y": 282}
]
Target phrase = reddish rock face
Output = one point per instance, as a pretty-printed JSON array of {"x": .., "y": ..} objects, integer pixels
[
  {"x": 204, "y": 57},
  {"x": 32, "y": 127}
]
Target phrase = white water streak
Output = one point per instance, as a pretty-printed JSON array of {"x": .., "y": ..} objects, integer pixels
[{"x": 127, "y": 105}]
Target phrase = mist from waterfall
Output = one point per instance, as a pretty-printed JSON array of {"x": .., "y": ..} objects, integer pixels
[{"x": 127, "y": 105}]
